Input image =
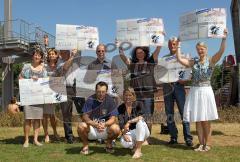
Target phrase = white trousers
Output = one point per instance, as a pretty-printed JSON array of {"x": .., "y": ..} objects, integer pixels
[{"x": 141, "y": 133}]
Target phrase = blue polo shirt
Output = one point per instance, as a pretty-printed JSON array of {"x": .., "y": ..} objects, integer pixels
[{"x": 100, "y": 110}]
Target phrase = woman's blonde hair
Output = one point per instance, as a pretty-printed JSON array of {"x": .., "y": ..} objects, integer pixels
[
  {"x": 131, "y": 90},
  {"x": 201, "y": 44}
]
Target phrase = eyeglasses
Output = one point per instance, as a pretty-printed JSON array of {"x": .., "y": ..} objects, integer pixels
[{"x": 100, "y": 51}]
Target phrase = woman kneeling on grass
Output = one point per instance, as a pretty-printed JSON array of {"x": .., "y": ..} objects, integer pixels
[
  {"x": 134, "y": 129},
  {"x": 200, "y": 105}
]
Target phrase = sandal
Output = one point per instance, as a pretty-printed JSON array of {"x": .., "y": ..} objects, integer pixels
[
  {"x": 26, "y": 144},
  {"x": 84, "y": 151},
  {"x": 109, "y": 150},
  {"x": 207, "y": 148},
  {"x": 199, "y": 148},
  {"x": 47, "y": 140},
  {"x": 37, "y": 144}
]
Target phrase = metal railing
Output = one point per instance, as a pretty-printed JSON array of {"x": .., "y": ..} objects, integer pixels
[{"x": 23, "y": 32}]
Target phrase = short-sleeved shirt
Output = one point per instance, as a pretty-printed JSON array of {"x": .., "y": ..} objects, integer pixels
[
  {"x": 100, "y": 110},
  {"x": 123, "y": 116},
  {"x": 97, "y": 65},
  {"x": 142, "y": 78},
  {"x": 27, "y": 72},
  {"x": 94, "y": 68}
]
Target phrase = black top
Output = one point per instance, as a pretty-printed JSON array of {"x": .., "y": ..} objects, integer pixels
[
  {"x": 142, "y": 78},
  {"x": 123, "y": 117}
]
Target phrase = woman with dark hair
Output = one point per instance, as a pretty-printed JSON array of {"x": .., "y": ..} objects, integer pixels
[
  {"x": 33, "y": 113},
  {"x": 53, "y": 70},
  {"x": 141, "y": 66},
  {"x": 49, "y": 109}
]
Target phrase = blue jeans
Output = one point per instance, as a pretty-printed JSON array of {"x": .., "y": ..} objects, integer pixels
[
  {"x": 148, "y": 104},
  {"x": 175, "y": 92}
]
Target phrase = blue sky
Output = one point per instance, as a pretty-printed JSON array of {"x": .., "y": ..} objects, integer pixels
[{"x": 104, "y": 13}]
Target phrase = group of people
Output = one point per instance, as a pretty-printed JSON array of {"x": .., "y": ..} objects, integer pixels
[{"x": 102, "y": 118}]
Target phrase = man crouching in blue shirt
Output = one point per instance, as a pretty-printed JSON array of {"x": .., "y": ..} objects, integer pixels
[{"x": 99, "y": 119}]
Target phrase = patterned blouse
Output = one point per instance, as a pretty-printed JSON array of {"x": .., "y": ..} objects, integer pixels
[
  {"x": 28, "y": 72},
  {"x": 201, "y": 73}
]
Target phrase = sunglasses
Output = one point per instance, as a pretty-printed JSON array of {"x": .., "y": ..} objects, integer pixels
[{"x": 100, "y": 51}]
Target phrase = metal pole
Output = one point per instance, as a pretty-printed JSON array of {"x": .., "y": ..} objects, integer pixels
[
  {"x": 235, "y": 13},
  {"x": 7, "y": 82},
  {"x": 7, "y": 18}
]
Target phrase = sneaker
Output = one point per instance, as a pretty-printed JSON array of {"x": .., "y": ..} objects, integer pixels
[
  {"x": 172, "y": 142},
  {"x": 199, "y": 148},
  {"x": 189, "y": 143}
]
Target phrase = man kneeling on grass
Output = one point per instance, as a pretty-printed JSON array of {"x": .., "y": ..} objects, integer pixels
[{"x": 99, "y": 119}]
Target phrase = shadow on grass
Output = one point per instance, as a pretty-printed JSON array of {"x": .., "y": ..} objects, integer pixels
[
  {"x": 156, "y": 141},
  {"x": 99, "y": 150},
  {"x": 17, "y": 140},
  {"x": 20, "y": 139},
  {"x": 213, "y": 133}
]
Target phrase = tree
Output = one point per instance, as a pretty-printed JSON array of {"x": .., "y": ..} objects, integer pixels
[{"x": 216, "y": 77}]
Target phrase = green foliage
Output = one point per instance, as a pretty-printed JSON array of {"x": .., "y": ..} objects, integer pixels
[
  {"x": 16, "y": 71},
  {"x": 216, "y": 77}
]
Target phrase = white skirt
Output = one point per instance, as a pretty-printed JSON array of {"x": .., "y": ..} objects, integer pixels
[{"x": 200, "y": 105}]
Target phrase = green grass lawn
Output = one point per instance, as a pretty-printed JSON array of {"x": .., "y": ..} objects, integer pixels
[{"x": 225, "y": 140}]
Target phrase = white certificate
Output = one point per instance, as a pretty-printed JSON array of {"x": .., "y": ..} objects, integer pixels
[
  {"x": 79, "y": 37},
  {"x": 141, "y": 32},
  {"x": 87, "y": 79},
  {"x": 204, "y": 23},
  {"x": 66, "y": 37},
  {"x": 87, "y": 38},
  {"x": 42, "y": 91},
  {"x": 170, "y": 70}
]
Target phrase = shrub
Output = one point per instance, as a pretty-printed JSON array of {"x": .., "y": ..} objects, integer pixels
[{"x": 11, "y": 120}]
